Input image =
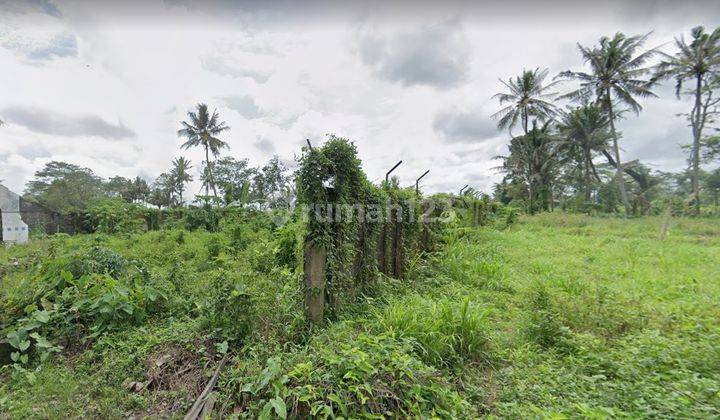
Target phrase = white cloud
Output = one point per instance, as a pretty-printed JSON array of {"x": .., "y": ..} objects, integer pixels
[{"x": 403, "y": 82}]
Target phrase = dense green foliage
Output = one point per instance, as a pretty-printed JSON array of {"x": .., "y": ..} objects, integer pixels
[
  {"x": 550, "y": 315},
  {"x": 558, "y": 164},
  {"x": 365, "y": 229}
]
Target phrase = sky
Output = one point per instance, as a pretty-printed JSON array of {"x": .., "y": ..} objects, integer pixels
[{"x": 105, "y": 84}]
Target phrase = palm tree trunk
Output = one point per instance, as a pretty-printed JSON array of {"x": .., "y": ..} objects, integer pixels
[
  {"x": 594, "y": 172},
  {"x": 552, "y": 197},
  {"x": 619, "y": 173},
  {"x": 587, "y": 175},
  {"x": 697, "y": 133},
  {"x": 530, "y": 178},
  {"x": 530, "y": 189},
  {"x": 211, "y": 180},
  {"x": 207, "y": 162}
]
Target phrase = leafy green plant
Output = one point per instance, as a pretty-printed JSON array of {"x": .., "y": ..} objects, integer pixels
[
  {"x": 28, "y": 340},
  {"x": 444, "y": 333},
  {"x": 289, "y": 248},
  {"x": 205, "y": 217},
  {"x": 543, "y": 325},
  {"x": 228, "y": 308},
  {"x": 115, "y": 215},
  {"x": 350, "y": 375}
]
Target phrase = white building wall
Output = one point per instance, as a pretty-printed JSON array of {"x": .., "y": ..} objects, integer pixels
[{"x": 14, "y": 230}]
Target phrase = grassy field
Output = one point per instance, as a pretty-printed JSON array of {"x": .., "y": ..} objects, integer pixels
[
  {"x": 597, "y": 317},
  {"x": 556, "y": 316}
]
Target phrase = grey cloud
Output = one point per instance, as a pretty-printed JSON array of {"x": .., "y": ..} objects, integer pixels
[
  {"x": 33, "y": 151},
  {"x": 657, "y": 135},
  {"x": 264, "y": 144},
  {"x": 645, "y": 12},
  {"x": 219, "y": 66},
  {"x": 25, "y": 6},
  {"x": 431, "y": 55},
  {"x": 46, "y": 7},
  {"x": 46, "y": 122},
  {"x": 464, "y": 127},
  {"x": 245, "y": 105},
  {"x": 58, "y": 46},
  {"x": 61, "y": 45},
  {"x": 658, "y": 147}
]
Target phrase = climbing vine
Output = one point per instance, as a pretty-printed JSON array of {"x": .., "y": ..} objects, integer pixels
[{"x": 361, "y": 229}]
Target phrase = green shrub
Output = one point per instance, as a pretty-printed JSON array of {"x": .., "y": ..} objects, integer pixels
[
  {"x": 85, "y": 307},
  {"x": 350, "y": 375},
  {"x": 444, "y": 333},
  {"x": 215, "y": 245},
  {"x": 543, "y": 325},
  {"x": 228, "y": 309},
  {"x": 115, "y": 215},
  {"x": 468, "y": 261},
  {"x": 101, "y": 260},
  {"x": 289, "y": 248}
]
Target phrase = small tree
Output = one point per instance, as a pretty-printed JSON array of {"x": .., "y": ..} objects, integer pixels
[
  {"x": 233, "y": 177},
  {"x": 712, "y": 184},
  {"x": 140, "y": 190},
  {"x": 161, "y": 191},
  {"x": 272, "y": 184},
  {"x": 64, "y": 187}
]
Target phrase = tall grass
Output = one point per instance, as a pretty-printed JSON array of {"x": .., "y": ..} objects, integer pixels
[{"x": 445, "y": 333}]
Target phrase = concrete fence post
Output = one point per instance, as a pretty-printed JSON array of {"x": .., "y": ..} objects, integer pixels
[{"x": 314, "y": 273}]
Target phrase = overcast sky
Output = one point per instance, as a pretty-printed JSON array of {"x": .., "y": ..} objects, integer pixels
[{"x": 105, "y": 84}]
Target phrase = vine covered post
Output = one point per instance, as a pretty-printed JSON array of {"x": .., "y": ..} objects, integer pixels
[
  {"x": 314, "y": 274},
  {"x": 330, "y": 184},
  {"x": 354, "y": 230},
  {"x": 381, "y": 249},
  {"x": 425, "y": 233},
  {"x": 398, "y": 246}
]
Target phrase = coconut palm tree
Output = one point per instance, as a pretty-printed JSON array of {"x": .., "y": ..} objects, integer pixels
[
  {"x": 696, "y": 62},
  {"x": 534, "y": 160},
  {"x": 527, "y": 97},
  {"x": 616, "y": 77},
  {"x": 202, "y": 130},
  {"x": 180, "y": 175},
  {"x": 584, "y": 132}
]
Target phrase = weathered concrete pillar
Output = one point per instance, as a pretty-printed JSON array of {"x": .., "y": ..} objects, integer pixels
[{"x": 314, "y": 272}]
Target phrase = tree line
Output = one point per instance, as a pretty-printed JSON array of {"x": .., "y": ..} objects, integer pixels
[
  {"x": 69, "y": 188},
  {"x": 572, "y": 156}
]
